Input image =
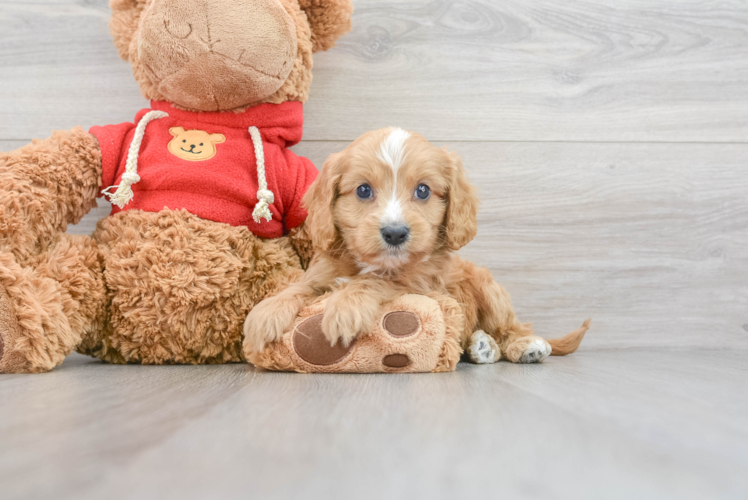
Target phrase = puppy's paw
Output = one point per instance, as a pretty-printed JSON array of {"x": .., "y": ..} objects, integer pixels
[
  {"x": 530, "y": 349},
  {"x": 535, "y": 351},
  {"x": 267, "y": 323},
  {"x": 483, "y": 349},
  {"x": 343, "y": 324}
]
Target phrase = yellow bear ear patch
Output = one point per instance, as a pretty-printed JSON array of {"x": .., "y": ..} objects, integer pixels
[{"x": 194, "y": 145}]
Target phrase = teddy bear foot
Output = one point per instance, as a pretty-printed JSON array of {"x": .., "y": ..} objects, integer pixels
[
  {"x": 312, "y": 346},
  {"x": 411, "y": 336},
  {"x": 483, "y": 349}
]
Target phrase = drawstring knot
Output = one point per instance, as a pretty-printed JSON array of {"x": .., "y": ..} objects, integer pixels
[{"x": 265, "y": 198}]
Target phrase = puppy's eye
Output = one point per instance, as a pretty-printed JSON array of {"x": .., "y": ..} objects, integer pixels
[
  {"x": 184, "y": 140},
  {"x": 201, "y": 143},
  {"x": 423, "y": 192},
  {"x": 364, "y": 192}
]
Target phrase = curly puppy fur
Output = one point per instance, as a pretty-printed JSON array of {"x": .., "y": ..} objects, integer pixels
[{"x": 363, "y": 269}]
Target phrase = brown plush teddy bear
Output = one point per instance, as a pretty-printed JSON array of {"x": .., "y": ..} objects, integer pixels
[{"x": 206, "y": 194}]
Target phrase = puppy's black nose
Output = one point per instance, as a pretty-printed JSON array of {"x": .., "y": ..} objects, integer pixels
[{"x": 395, "y": 235}]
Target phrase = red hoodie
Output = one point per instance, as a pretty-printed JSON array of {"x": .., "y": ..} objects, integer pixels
[{"x": 205, "y": 163}]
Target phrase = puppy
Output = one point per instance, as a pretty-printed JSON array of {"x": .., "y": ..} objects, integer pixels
[{"x": 385, "y": 217}]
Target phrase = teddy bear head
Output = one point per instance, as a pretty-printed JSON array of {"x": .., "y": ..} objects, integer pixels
[{"x": 220, "y": 55}]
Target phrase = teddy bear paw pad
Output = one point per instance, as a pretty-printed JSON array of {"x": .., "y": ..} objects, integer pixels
[
  {"x": 312, "y": 346},
  {"x": 396, "y": 361},
  {"x": 401, "y": 324}
]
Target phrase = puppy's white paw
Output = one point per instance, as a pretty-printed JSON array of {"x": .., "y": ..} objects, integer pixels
[
  {"x": 536, "y": 351},
  {"x": 483, "y": 349}
]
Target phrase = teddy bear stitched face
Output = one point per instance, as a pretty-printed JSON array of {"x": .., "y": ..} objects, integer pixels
[
  {"x": 218, "y": 54},
  {"x": 194, "y": 145}
]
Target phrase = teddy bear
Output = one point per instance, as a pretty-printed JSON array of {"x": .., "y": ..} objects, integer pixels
[{"x": 206, "y": 195}]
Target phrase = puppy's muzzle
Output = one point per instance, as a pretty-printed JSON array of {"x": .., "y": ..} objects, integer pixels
[{"x": 395, "y": 235}]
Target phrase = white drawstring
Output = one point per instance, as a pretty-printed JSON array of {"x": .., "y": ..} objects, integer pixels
[
  {"x": 123, "y": 193},
  {"x": 265, "y": 197}
]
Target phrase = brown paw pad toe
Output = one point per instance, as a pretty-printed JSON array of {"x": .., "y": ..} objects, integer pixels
[
  {"x": 310, "y": 344},
  {"x": 401, "y": 323},
  {"x": 396, "y": 361}
]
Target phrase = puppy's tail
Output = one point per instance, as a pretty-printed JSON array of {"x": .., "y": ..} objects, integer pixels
[{"x": 570, "y": 342}]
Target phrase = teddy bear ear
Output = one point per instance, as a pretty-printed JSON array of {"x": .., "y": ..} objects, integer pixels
[
  {"x": 177, "y": 131},
  {"x": 329, "y": 20},
  {"x": 217, "y": 138},
  {"x": 124, "y": 23}
]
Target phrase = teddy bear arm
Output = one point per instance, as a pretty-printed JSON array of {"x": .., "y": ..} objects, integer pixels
[{"x": 44, "y": 186}]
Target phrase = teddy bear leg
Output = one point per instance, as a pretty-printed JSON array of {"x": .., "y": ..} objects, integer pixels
[
  {"x": 414, "y": 333},
  {"x": 48, "y": 304}
]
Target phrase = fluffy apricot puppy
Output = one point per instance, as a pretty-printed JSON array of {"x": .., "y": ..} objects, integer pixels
[{"x": 385, "y": 217}]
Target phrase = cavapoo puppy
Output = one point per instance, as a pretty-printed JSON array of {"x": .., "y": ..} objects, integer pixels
[{"x": 385, "y": 217}]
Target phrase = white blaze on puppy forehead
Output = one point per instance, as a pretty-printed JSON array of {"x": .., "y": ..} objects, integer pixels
[
  {"x": 392, "y": 150},
  {"x": 392, "y": 153}
]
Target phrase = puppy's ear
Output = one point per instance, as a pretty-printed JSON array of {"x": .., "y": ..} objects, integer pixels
[
  {"x": 318, "y": 202},
  {"x": 329, "y": 20},
  {"x": 461, "y": 224}
]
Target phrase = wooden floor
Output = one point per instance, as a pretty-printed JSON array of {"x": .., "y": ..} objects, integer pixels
[{"x": 609, "y": 141}]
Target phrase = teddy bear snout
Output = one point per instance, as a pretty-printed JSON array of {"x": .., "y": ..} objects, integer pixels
[{"x": 215, "y": 56}]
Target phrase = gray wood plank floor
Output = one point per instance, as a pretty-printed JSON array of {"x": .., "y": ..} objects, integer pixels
[
  {"x": 609, "y": 141},
  {"x": 650, "y": 423}
]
